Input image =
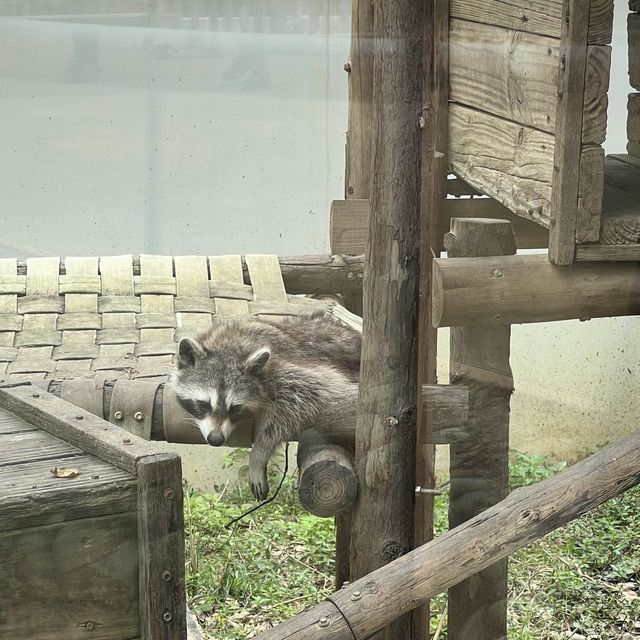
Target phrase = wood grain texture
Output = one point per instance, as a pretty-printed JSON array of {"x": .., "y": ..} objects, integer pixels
[
  {"x": 359, "y": 158},
  {"x": 568, "y": 132},
  {"x": 31, "y": 446},
  {"x": 509, "y": 162},
  {"x": 633, "y": 40},
  {"x": 528, "y": 288},
  {"x": 161, "y": 548},
  {"x": 349, "y": 226},
  {"x": 71, "y": 580},
  {"x": 523, "y": 517},
  {"x": 608, "y": 253},
  {"x": 383, "y": 516},
  {"x": 30, "y": 495},
  {"x": 76, "y": 426},
  {"x": 590, "y": 194},
  {"x": 542, "y": 17},
  {"x": 328, "y": 485},
  {"x": 633, "y": 119},
  {"x": 479, "y": 466}
]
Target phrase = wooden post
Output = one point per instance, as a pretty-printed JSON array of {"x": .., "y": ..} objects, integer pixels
[
  {"x": 434, "y": 122},
  {"x": 480, "y": 465},
  {"x": 385, "y": 436}
]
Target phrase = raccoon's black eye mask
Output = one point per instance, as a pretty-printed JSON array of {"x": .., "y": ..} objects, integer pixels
[{"x": 197, "y": 408}]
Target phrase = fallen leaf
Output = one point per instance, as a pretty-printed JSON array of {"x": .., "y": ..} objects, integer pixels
[{"x": 64, "y": 472}]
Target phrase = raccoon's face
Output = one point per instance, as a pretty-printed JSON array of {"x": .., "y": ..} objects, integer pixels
[{"x": 221, "y": 390}]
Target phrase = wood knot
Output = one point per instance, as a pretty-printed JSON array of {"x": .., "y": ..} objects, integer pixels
[{"x": 393, "y": 550}]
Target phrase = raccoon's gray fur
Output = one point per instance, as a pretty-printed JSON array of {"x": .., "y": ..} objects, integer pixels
[{"x": 273, "y": 375}]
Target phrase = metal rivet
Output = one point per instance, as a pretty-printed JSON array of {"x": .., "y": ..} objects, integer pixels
[
  {"x": 167, "y": 616},
  {"x": 323, "y": 622},
  {"x": 166, "y": 575},
  {"x": 498, "y": 273},
  {"x": 35, "y": 395},
  {"x": 350, "y": 275},
  {"x": 169, "y": 493},
  {"x": 95, "y": 476},
  {"x": 126, "y": 440},
  {"x": 118, "y": 415},
  {"x": 356, "y": 595},
  {"x": 90, "y": 625},
  {"x": 139, "y": 416},
  {"x": 392, "y": 421}
]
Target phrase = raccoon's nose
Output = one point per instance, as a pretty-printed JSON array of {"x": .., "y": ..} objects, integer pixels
[{"x": 215, "y": 439}]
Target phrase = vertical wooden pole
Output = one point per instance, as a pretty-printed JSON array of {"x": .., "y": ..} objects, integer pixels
[
  {"x": 385, "y": 437},
  {"x": 434, "y": 121},
  {"x": 480, "y": 464}
]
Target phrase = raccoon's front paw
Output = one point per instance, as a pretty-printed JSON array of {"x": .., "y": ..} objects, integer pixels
[{"x": 259, "y": 484}]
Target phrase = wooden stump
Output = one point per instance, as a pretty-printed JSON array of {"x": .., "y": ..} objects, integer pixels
[{"x": 480, "y": 465}]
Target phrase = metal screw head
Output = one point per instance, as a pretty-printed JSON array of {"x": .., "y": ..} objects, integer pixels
[
  {"x": 169, "y": 493},
  {"x": 323, "y": 622},
  {"x": 79, "y": 417},
  {"x": 118, "y": 415},
  {"x": 167, "y": 615},
  {"x": 356, "y": 595},
  {"x": 350, "y": 275},
  {"x": 126, "y": 440},
  {"x": 90, "y": 625},
  {"x": 139, "y": 416},
  {"x": 166, "y": 575},
  {"x": 35, "y": 395},
  {"x": 392, "y": 421}
]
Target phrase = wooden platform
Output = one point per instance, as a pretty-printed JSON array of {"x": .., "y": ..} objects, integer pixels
[{"x": 620, "y": 222}]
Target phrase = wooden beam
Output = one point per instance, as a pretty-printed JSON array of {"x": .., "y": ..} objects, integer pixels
[
  {"x": 520, "y": 519},
  {"x": 633, "y": 121},
  {"x": 568, "y": 132},
  {"x": 544, "y": 18},
  {"x": 633, "y": 37},
  {"x": 479, "y": 466},
  {"x": 522, "y": 289},
  {"x": 385, "y": 438},
  {"x": 328, "y": 485}
]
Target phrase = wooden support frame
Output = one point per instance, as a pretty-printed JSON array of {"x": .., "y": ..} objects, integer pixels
[{"x": 529, "y": 513}]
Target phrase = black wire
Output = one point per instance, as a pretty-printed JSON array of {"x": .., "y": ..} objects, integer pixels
[{"x": 268, "y": 500}]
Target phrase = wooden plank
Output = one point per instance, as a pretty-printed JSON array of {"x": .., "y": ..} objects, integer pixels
[
  {"x": 479, "y": 465},
  {"x": 388, "y": 394},
  {"x": 528, "y": 288},
  {"x": 608, "y": 253},
  {"x": 32, "y": 495},
  {"x": 509, "y": 162},
  {"x": 161, "y": 548},
  {"x": 544, "y": 18},
  {"x": 29, "y": 446},
  {"x": 633, "y": 123},
  {"x": 633, "y": 40},
  {"x": 514, "y": 75},
  {"x": 590, "y": 194},
  {"x": 359, "y": 157},
  {"x": 10, "y": 423},
  {"x": 77, "y": 426},
  {"x": 349, "y": 226},
  {"x": 523, "y": 517},
  {"x": 67, "y": 579},
  {"x": 568, "y": 133}
]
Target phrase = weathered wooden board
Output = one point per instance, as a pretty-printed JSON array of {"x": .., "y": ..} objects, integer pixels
[
  {"x": 540, "y": 16},
  {"x": 349, "y": 226},
  {"x": 71, "y": 580},
  {"x": 31, "y": 495},
  {"x": 10, "y": 423},
  {"x": 633, "y": 36},
  {"x": 590, "y": 194},
  {"x": 634, "y": 5},
  {"x": 29, "y": 446},
  {"x": 633, "y": 124},
  {"x": 514, "y": 75},
  {"x": 509, "y": 162}
]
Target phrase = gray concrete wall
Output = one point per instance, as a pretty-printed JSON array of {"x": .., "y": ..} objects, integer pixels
[{"x": 130, "y": 130}]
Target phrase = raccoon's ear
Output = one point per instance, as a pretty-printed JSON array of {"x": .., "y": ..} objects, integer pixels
[
  {"x": 257, "y": 360},
  {"x": 188, "y": 352}
]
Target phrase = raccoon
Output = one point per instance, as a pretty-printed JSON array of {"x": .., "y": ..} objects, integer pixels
[{"x": 272, "y": 375}]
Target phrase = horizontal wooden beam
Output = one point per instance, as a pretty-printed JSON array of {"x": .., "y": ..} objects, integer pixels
[
  {"x": 521, "y": 289},
  {"x": 368, "y": 604}
]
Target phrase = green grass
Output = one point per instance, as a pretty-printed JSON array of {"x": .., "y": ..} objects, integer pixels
[{"x": 581, "y": 579}]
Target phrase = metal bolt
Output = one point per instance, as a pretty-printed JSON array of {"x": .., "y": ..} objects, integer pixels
[
  {"x": 167, "y": 615},
  {"x": 139, "y": 416},
  {"x": 350, "y": 275},
  {"x": 169, "y": 493},
  {"x": 323, "y": 622},
  {"x": 356, "y": 595},
  {"x": 430, "y": 492},
  {"x": 126, "y": 440},
  {"x": 498, "y": 273},
  {"x": 79, "y": 417},
  {"x": 392, "y": 421},
  {"x": 347, "y": 67},
  {"x": 95, "y": 476},
  {"x": 118, "y": 415},
  {"x": 166, "y": 575},
  {"x": 345, "y": 584},
  {"x": 35, "y": 395},
  {"x": 90, "y": 625}
]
